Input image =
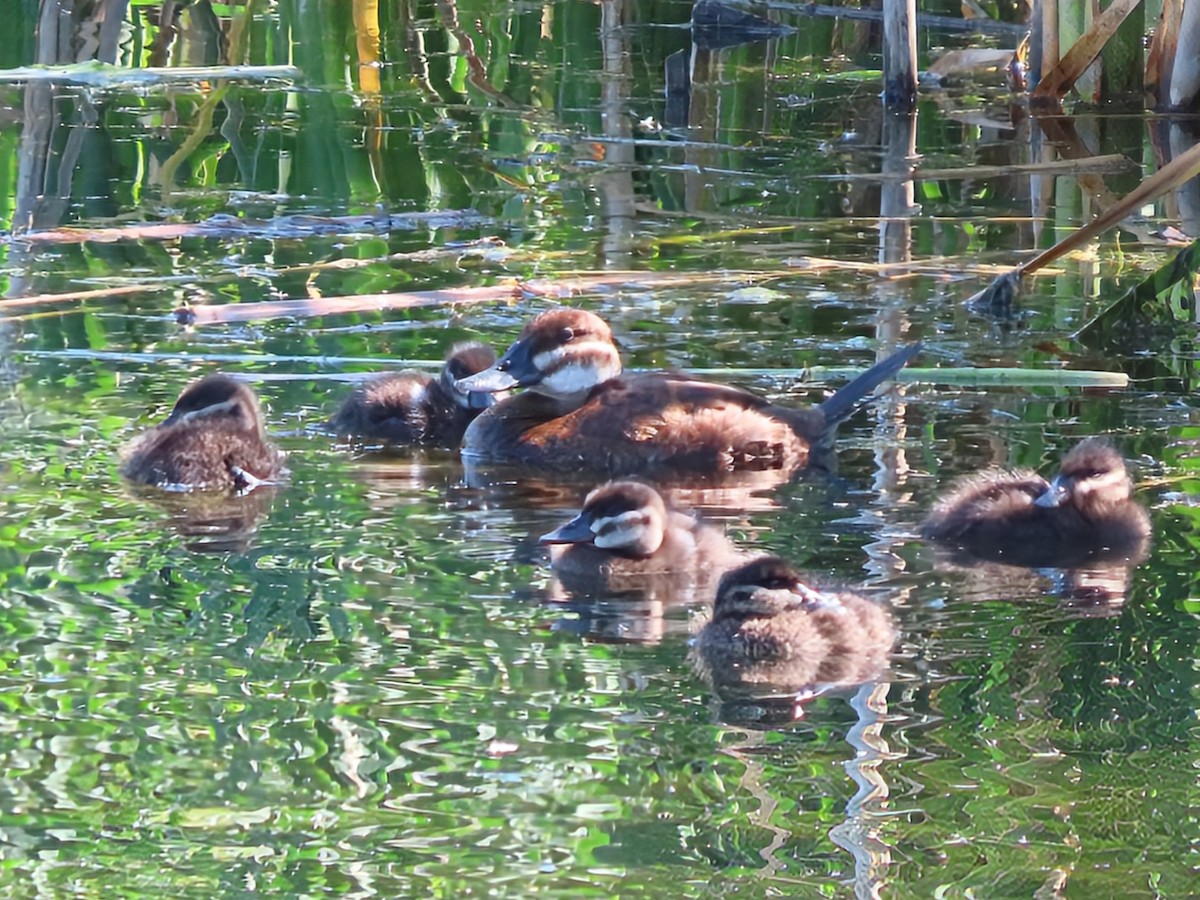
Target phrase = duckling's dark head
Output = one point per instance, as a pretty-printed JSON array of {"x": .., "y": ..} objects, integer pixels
[
  {"x": 217, "y": 398},
  {"x": 625, "y": 517},
  {"x": 764, "y": 587},
  {"x": 563, "y": 353},
  {"x": 1093, "y": 474},
  {"x": 464, "y": 360}
]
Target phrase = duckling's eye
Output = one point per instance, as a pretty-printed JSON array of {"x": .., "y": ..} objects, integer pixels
[{"x": 566, "y": 335}]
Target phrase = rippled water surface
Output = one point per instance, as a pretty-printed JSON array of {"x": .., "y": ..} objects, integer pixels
[{"x": 366, "y": 680}]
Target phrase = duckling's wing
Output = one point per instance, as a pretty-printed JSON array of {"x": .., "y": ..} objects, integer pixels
[
  {"x": 390, "y": 407},
  {"x": 987, "y": 503}
]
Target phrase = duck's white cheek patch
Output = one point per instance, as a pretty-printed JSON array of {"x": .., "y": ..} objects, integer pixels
[
  {"x": 547, "y": 359},
  {"x": 570, "y": 379},
  {"x": 619, "y": 531}
]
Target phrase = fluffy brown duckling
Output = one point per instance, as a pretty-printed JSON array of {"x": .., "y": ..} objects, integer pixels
[
  {"x": 627, "y": 538},
  {"x": 212, "y": 440},
  {"x": 1087, "y": 512},
  {"x": 415, "y": 408},
  {"x": 580, "y": 414},
  {"x": 773, "y": 633}
]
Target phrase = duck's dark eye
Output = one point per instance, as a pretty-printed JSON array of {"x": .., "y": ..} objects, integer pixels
[{"x": 566, "y": 336}]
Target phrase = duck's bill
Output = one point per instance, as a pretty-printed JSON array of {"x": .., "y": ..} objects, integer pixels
[
  {"x": 477, "y": 399},
  {"x": 1055, "y": 495},
  {"x": 515, "y": 368},
  {"x": 489, "y": 381},
  {"x": 577, "y": 531}
]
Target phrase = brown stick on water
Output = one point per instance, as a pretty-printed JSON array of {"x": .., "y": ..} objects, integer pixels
[
  {"x": 39, "y": 299},
  {"x": 1111, "y": 162},
  {"x": 331, "y": 306},
  {"x": 1000, "y": 294},
  {"x": 226, "y": 226},
  {"x": 1182, "y": 168},
  {"x": 557, "y": 289}
]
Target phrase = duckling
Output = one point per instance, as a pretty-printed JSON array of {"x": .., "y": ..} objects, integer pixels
[
  {"x": 212, "y": 440},
  {"x": 580, "y": 414},
  {"x": 414, "y": 408},
  {"x": 770, "y": 632},
  {"x": 1087, "y": 512},
  {"x": 626, "y": 538}
]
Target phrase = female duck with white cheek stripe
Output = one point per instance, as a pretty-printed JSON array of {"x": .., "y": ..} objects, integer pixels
[{"x": 579, "y": 414}]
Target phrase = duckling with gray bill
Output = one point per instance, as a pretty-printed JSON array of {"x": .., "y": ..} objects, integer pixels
[
  {"x": 626, "y": 538},
  {"x": 404, "y": 408},
  {"x": 580, "y": 415},
  {"x": 1016, "y": 516},
  {"x": 213, "y": 440}
]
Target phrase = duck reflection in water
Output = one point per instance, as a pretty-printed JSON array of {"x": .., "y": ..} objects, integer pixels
[
  {"x": 213, "y": 440},
  {"x": 213, "y": 522},
  {"x": 403, "y": 408},
  {"x": 1096, "y": 589},
  {"x": 629, "y": 556},
  {"x": 1086, "y": 514},
  {"x": 775, "y": 641}
]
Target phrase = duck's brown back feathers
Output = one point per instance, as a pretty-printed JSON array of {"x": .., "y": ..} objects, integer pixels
[
  {"x": 415, "y": 408},
  {"x": 213, "y": 440},
  {"x": 985, "y": 504},
  {"x": 648, "y": 424}
]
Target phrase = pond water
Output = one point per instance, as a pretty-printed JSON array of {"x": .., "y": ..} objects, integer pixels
[{"x": 366, "y": 681}]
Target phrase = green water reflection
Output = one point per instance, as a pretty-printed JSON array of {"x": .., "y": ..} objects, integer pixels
[{"x": 366, "y": 682}]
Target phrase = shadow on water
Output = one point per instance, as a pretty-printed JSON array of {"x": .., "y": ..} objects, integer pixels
[{"x": 369, "y": 680}]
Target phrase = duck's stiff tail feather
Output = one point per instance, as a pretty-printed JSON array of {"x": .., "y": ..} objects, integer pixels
[{"x": 843, "y": 404}]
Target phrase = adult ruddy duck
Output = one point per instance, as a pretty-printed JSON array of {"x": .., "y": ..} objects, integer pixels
[
  {"x": 580, "y": 415},
  {"x": 1086, "y": 512},
  {"x": 771, "y": 632},
  {"x": 212, "y": 440},
  {"x": 415, "y": 408},
  {"x": 627, "y": 538}
]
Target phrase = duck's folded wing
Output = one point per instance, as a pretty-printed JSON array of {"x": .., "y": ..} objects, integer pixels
[
  {"x": 668, "y": 417},
  {"x": 988, "y": 500}
]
